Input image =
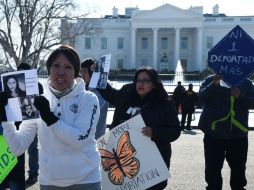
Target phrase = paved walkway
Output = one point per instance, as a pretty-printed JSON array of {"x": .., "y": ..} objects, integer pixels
[{"x": 187, "y": 164}]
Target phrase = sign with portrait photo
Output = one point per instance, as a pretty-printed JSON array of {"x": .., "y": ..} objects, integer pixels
[
  {"x": 130, "y": 159},
  {"x": 20, "y": 88},
  {"x": 100, "y": 75}
]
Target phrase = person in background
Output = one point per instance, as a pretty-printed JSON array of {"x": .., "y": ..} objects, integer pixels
[
  {"x": 33, "y": 162},
  {"x": 68, "y": 156},
  {"x": 189, "y": 99},
  {"x": 147, "y": 96},
  {"x": 177, "y": 95},
  {"x": 86, "y": 74},
  {"x": 224, "y": 121}
]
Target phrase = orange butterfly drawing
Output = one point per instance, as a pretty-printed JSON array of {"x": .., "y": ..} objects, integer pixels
[{"x": 120, "y": 163}]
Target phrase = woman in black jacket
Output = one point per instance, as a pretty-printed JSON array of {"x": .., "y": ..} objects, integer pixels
[{"x": 147, "y": 96}]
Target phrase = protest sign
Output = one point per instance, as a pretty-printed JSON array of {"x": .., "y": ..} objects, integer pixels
[
  {"x": 20, "y": 88},
  {"x": 100, "y": 75},
  {"x": 130, "y": 160},
  {"x": 7, "y": 160},
  {"x": 233, "y": 57}
]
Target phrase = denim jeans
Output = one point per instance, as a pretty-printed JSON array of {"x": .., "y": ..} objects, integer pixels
[{"x": 33, "y": 158}]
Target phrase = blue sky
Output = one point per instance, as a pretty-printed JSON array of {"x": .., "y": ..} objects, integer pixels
[{"x": 229, "y": 7}]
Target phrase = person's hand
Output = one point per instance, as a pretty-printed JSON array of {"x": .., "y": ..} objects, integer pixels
[
  {"x": 235, "y": 92},
  {"x": 3, "y": 103},
  {"x": 216, "y": 79},
  {"x": 147, "y": 131},
  {"x": 42, "y": 105}
]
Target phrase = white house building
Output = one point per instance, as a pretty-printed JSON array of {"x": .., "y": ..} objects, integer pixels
[{"x": 159, "y": 37}]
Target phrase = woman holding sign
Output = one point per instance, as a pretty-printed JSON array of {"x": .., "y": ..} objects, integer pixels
[
  {"x": 147, "y": 96},
  {"x": 68, "y": 157}
]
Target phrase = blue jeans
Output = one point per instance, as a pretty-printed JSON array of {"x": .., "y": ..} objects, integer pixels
[
  {"x": 89, "y": 186},
  {"x": 33, "y": 158}
]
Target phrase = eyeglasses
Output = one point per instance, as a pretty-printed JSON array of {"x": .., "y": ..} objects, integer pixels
[{"x": 143, "y": 81}]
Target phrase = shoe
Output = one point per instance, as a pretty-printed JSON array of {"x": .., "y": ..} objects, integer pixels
[
  {"x": 31, "y": 180},
  {"x": 189, "y": 128}
]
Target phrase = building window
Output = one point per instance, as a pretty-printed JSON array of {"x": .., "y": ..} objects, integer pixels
[
  {"x": 88, "y": 43},
  {"x": 164, "y": 43},
  {"x": 104, "y": 44},
  {"x": 144, "y": 43},
  {"x": 120, "y": 63},
  {"x": 184, "y": 43},
  {"x": 143, "y": 61},
  {"x": 120, "y": 43},
  {"x": 209, "y": 42}
]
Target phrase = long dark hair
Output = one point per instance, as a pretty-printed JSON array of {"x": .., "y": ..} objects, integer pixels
[
  {"x": 155, "y": 79},
  {"x": 7, "y": 89}
]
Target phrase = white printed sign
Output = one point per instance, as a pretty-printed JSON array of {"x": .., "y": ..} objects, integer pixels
[
  {"x": 20, "y": 88},
  {"x": 100, "y": 75},
  {"x": 130, "y": 159}
]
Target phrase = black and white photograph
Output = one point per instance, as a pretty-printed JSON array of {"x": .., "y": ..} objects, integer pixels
[
  {"x": 20, "y": 88},
  {"x": 14, "y": 85},
  {"x": 28, "y": 109}
]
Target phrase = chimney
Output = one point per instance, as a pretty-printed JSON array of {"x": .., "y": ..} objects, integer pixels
[
  {"x": 216, "y": 10},
  {"x": 115, "y": 12}
]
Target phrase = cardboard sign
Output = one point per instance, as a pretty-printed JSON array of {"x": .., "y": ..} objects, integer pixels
[
  {"x": 233, "y": 57},
  {"x": 7, "y": 160},
  {"x": 130, "y": 160}
]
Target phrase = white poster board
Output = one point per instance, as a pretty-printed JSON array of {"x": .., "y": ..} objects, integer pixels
[
  {"x": 130, "y": 159},
  {"x": 100, "y": 75},
  {"x": 20, "y": 87}
]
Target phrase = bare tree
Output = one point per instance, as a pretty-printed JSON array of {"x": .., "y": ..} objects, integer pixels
[{"x": 30, "y": 28}]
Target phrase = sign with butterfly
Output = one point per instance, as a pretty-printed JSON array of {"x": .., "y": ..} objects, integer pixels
[{"x": 130, "y": 160}]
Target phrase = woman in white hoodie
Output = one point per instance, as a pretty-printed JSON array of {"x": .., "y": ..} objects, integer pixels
[{"x": 68, "y": 156}]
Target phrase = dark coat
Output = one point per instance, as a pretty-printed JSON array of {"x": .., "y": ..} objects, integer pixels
[
  {"x": 216, "y": 105},
  {"x": 157, "y": 110},
  {"x": 189, "y": 99}
]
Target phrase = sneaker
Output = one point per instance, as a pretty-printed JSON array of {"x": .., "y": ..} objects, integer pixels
[{"x": 31, "y": 180}]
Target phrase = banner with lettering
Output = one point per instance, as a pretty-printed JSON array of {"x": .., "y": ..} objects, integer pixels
[
  {"x": 7, "y": 160},
  {"x": 130, "y": 160},
  {"x": 233, "y": 57}
]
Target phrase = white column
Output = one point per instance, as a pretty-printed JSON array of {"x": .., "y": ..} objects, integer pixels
[
  {"x": 199, "y": 49},
  {"x": 177, "y": 44},
  {"x": 155, "y": 31},
  {"x": 133, "y": 48}
]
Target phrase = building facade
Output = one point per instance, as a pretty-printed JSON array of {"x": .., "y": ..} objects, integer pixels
[{"x": 159, "y": 38}]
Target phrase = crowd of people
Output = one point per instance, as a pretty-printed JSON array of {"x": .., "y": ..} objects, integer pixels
[{"x": 73, "y": 116}]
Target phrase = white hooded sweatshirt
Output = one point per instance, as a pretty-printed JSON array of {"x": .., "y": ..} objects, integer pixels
[{"x": 67, "y": 149}]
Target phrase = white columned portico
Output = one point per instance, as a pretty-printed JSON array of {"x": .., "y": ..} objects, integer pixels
[
  {"x": 177, "y": 44},
  {"x": 155, "y": 31},
  {"x": 133, "y": 48},
  {"x": 199, "y": 48}
]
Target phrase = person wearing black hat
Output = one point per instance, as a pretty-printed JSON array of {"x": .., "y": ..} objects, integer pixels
[
  {"x": 86, "y": 74},
  {"x": 68, "y": 157}
]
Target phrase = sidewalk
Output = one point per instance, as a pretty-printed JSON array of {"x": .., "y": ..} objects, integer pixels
[
  {"x": 187, "y": 164},
  {"x": 187, "y": 161}
]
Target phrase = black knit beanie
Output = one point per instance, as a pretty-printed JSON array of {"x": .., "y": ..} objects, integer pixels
[
  {"x": 69, "y": 53},
  {"x": 87, "y": 63}
]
